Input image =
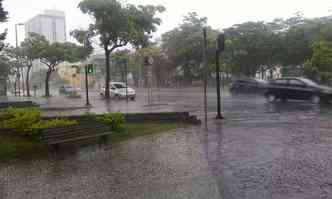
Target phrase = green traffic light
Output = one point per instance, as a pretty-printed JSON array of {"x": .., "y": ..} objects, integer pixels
[{"x": 90, "y": 68}]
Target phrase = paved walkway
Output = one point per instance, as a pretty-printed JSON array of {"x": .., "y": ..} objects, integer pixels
[{"x": 169, "y": 165}]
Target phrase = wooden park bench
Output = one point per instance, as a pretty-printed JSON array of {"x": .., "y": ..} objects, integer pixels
[{"x": 73, "y": 133}]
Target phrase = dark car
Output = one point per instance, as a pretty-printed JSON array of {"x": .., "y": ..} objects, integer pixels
[
  {"x": 248, "y": 86},
  {"x": 297, "y": 89}
]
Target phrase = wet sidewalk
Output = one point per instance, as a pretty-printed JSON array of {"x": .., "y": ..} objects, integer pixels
[
  {"x": 261, "y": 150},
  {"x": 169, "y": 165}
]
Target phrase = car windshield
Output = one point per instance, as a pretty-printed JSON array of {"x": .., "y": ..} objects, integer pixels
[
  {"x": 309, "y": 82},
  {"x": 261, "y": 81},
  {"x": 119, "y": 86},
  {"x": 67, "y": 87}
]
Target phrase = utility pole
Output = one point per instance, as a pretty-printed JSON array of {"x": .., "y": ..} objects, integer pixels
[
  {"x": 205, "y": 75},
  {"x": 18, "y": 69},
  {"x": 220, "y": 48}
]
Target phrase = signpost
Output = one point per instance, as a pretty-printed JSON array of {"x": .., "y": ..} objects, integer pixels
[
  {"x": 148, "y": 61},
  {"x": 205, "y": 75},
  {"x": 126, "y": 77}
]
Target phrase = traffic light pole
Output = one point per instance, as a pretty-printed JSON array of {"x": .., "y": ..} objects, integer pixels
[
  {"x": 87, "y": 86},
  {"x": 221, "y": 47},
  {"x": 219, "y": 116}
]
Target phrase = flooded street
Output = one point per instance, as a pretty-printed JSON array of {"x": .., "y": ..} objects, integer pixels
[{"x": 262, "y": 150}]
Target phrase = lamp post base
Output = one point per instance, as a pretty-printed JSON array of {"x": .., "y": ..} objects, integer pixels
[{"x": 220, "y": 117}]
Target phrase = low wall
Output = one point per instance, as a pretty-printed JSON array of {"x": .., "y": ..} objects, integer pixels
[
  {"x": 148, "y": 117},
  {"x": 18, "y": 104}
]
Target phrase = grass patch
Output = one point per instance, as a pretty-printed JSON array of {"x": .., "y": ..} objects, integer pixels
[
  {"x": 133, "y": 130},
  {"x": 18, "y": 147}
]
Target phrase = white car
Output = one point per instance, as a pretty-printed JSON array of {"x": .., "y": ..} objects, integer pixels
[
  {"x": 69, "y": 91},
  {"x": 118, "y": 90}
]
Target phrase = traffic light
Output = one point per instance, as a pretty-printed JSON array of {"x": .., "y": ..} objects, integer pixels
[{"x": 90, "y": 68}]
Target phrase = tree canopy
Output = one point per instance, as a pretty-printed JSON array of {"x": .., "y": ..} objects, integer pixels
[
  {"x": 119, "y": 24},
  {"x": 184, "y": 45},
  {"x": 51, "y": 54},
  {"x": 3, "y": 18}
]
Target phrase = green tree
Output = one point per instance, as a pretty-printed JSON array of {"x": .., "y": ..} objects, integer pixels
[
  {"x": 84, "y": 37},
  {"x": 252, "y": 47},
  {"x": 56, "y": 53},
  {"x": 3, "y": 18},
  {"x": 184, "y": 46},
  {"x": 13, "y": 55},
  {"x": 5, "y": 71},
  {"x": 26, "y": 53},
  {"x": 319, "y": 67},
  {"x": 118, "y": 25},
  {"x": 297, "y": 40},
  {"x": 29, "y": 52}
]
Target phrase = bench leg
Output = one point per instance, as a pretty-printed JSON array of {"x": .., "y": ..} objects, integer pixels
[
  {"x": 54, "y": 149},
  {"x": 102, "y": 140}
]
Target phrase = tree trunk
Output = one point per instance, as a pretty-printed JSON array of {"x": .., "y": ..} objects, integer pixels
[
  {"x": 47, "y": 86},
  {"x": 262, "y": 72},
  {"x": 107, "y": 82},
  {"x": 271, "y": 73},
  {"x": 15, "y": 86},
  {"x": 23, "y": 86},
  {"x": 27, "y": 81},
  {"x": 6, "y": 86}
]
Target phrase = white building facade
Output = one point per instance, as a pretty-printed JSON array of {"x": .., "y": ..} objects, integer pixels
[{"x": 51, "y": 24}]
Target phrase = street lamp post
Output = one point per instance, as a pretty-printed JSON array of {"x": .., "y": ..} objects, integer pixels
[
  {"x": 18, "y": 69},
  {"x": 16, "y": 37}
]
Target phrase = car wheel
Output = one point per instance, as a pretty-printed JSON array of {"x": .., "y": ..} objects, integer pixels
[
  {"x": 315, "y": 99},
  {"x": 271, "y": 97},
  {"x": 132, "y": 98}
]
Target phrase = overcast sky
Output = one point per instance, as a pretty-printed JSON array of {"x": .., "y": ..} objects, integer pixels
[{"x": 221, "y": 14}]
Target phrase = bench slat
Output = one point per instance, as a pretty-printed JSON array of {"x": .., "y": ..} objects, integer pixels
[
  {"x": 71, "y": 128},
  {"x": 73, "y": 133},
  {"x": 78, "y": 138},
  {"x": 59, "y": 131}
]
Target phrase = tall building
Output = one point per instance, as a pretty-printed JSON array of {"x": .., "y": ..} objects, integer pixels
[{"x": 51, "y": 24}]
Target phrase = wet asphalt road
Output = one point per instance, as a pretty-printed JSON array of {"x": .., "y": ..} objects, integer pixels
[{"x": 261, "y": 150}]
